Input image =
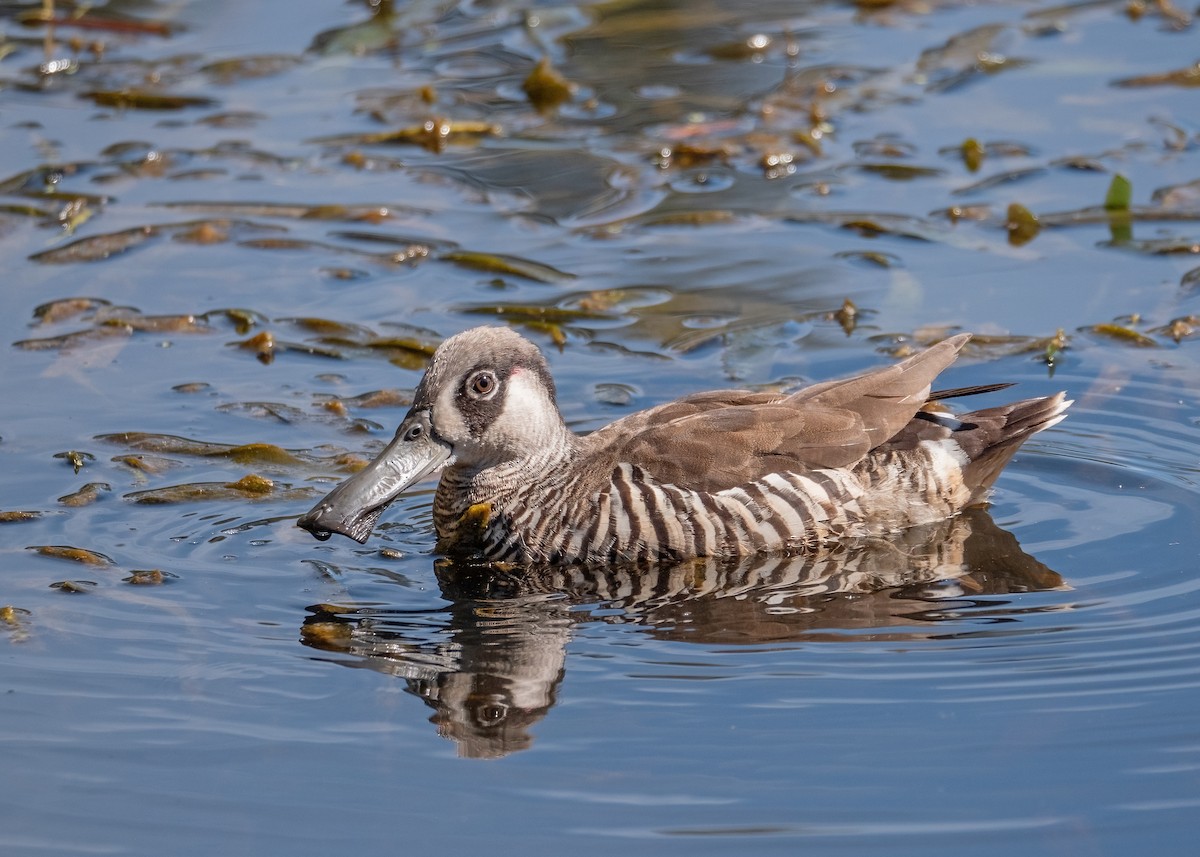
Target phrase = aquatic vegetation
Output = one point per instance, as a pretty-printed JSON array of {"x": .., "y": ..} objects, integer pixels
[
  {"x": 138, "y": 99},
  {"x": 1001, "y": 179},
  {"x": 1123, "y": 334},
  {"x": 243, "y": 319},
  {"x": 265, "y": 347},
  {"x": 973, "y": 153},
  {"x": 234, "y": 70},
  {"x": 1179, "y": 329},
  {"x": 250, "y": 488},
  {"x": 872, "y": 257},
  {"x": 98, "y": 19},
  {"x": 1022, "y": 224},
  {"x": 97, "y": 247},
  {"x": 320, "y": 211},
  {"x": 498, "y": 263},
  {"x": 74, "y": 586},
  {"x": 17, "y": 516},
  {"x": 149, "y": 577},
  {"x": 531, "y": 313},
  {"x": 15, "y": 623},
  {"x": 250, "y": 453},
  {"x": 1120, "y": 194},
  {"x": 899, "y": 172},
  {"x": 546, "y": 87},
  {"x": 85, "y": 496},
  {"x": 66, "y": 308},
  {"x": 84, "y": 556},
  {"x": 68, "y": 341},
  {"x": 379, "y": 399},
  {"x": 1188, "y": 77},
  {"x": 78, "y": 460},
  {"x": 146, "y": 463},
  {"x": 964, "y": 56},
  {"x": 434, "y": 134}
]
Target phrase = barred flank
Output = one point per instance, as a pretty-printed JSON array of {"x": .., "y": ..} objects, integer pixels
[{"x": 635, "y": 518}]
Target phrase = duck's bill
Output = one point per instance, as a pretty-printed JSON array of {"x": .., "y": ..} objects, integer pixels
[{"x": 353, "y": 507}]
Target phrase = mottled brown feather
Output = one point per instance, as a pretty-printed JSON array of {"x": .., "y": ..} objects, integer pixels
[{"x": 717, "y": 440}]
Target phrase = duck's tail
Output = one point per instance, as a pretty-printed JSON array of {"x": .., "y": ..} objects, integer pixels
[{"x": 991, "y": 436}]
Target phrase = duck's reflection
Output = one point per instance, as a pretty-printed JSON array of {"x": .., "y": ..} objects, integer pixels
[{"x": 491, "y": 662}]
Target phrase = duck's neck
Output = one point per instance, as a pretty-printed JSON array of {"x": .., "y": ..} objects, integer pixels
[{"x": 502, "y": 480}]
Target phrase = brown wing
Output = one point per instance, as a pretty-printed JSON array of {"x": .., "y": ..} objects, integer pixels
[
  {"x": 687, "y": 406},
  {"x": 713, "y": 441},
  {"x": 887, "y": 398},
  {"x": 717, "y": 449}
]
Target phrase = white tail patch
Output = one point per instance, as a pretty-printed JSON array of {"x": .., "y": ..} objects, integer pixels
[
  {"x": 941, "y": 450},
  {"x": 1060, "y": 414}
]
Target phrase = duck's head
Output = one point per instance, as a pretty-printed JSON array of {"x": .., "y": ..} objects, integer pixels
[{"x": 487, "y": 398}]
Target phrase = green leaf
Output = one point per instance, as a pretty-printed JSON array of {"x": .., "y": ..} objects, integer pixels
[
  {"x": 973, "y": 154},
  {"x": 1120, "y": 192},
  {"x": 1022, "y": 225}
]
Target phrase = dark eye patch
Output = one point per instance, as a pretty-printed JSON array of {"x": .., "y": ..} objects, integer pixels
[{"x": 479, "y": 413}]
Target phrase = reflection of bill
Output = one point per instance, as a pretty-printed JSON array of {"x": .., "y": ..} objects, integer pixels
[{"x": 492, "y": 668}]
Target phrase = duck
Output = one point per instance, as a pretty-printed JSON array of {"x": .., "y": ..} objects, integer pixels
[{"x": 723, "y": 473}]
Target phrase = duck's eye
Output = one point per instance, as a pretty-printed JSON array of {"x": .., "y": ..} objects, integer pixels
[
  {"x": 481, "y": 384},
  {"x": 491, "y": 713},
  {"x": 414, "y": 432}
]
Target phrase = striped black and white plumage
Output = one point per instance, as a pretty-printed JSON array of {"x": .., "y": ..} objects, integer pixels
[{"x": 722, "y": 473}]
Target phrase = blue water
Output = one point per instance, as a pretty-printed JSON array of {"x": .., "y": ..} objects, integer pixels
[{"x": 1024, "y": 679}]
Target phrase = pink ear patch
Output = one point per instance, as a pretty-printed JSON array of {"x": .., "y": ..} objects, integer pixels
[{"x": 517, "y": 370}]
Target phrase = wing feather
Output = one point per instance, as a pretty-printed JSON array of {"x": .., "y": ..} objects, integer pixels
[{"x": 716, "y": 440}]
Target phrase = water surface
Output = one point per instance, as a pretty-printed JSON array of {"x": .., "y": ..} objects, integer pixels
[{"x": 230, "y": 241}]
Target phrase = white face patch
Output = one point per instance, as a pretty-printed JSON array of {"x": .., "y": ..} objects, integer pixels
[
  {"x": 447, "y": 420},
  {"x": 529, "y": 417}
]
